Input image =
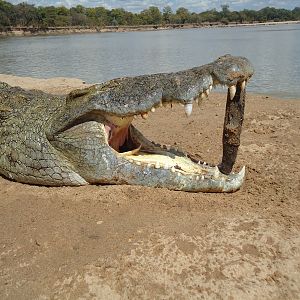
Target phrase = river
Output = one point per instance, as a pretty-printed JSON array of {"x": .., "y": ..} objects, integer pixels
[{"x": 273, "y": 50}]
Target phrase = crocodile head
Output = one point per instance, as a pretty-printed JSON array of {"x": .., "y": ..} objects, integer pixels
[{"x": 91, "y": 138}]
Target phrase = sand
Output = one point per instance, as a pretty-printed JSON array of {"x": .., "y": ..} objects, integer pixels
[{"x": 131, "y": 242}]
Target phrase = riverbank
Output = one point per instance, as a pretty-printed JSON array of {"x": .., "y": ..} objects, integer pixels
[
  {"x": 31, "y": 31},
  {"x": 117, "y": 242}
]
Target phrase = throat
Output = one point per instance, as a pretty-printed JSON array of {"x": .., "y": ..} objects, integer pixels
[{"x": 117, "y": 137}]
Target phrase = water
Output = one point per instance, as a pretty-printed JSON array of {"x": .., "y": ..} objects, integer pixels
[{"x": 274, "y": 51}]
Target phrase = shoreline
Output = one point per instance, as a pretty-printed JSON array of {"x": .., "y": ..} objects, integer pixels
[{"x": 33, "y": 31}]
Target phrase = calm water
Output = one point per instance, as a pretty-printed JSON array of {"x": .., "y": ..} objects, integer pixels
[{"x": 274, "y": 51}]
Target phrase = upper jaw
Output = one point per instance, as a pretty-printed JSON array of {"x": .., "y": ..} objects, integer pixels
[{"x": 131, "y": 96}]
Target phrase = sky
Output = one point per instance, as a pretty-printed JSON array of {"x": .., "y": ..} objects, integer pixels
[{"x": 192, "y": 5}]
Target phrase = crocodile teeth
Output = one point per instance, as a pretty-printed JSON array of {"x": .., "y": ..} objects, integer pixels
[
  {"x": 232, "y": 91},
  {"x": 216, "y": 173},
  {"x": 153, "y": 109},
  {"x": 243, "y": 85},
  {"x": 210, "y": 88},
  {"x": 188, "y": 109},
  {"x": 157, "y": 165},
  {"x": 144, "y": 115},
  {"x": 131, "y": 152},
  {"x": 207, "y": 92}
]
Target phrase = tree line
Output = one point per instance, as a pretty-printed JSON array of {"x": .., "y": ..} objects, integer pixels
[{"x": 27, "y": 15}]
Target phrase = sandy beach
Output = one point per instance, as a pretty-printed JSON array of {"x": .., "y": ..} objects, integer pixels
[{"x": 131, "y": 242}]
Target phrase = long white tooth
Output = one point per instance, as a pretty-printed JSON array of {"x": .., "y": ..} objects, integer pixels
[
  {"x": 232, "y": 91},
  {"x": 243, "y": 85},
  {"x": 210, "y": 88},
  {"x": 197, "y": 100},
  {"x": 188, "y": 109},
  {"x": 242, "y": 172},
  {"x": 160, "y": 104},
  {"x": 131, "y": 152},
  {"x": 157, "y": 165},
  {"x": 173, "y": 169},
  {"x": 206, "y": 92},
  {"x": 216, "y": 173}
]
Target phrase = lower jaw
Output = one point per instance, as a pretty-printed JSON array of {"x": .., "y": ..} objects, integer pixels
[{"x": 162, "y": 166}]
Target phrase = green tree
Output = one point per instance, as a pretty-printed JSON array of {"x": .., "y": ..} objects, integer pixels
[
  {"x": 225, "y": 9},
  {"x": 102, "y": 16},
  {"x": 167, "y": 13},
  {"x": 78, "y": 17},
  {"x": 296, "y": 13},
  {"x": 26, "y": 14},
  {"x": 183, "y": 15},
  {"x": 210, "y": 16},
  {"x": 117, "y": 15},
  {"x": 152, "y": 15},
  {"x": 7, "y": 14}
]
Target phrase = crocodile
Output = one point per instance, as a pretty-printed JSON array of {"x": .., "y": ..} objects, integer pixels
[{"x": 87, "y": 136}]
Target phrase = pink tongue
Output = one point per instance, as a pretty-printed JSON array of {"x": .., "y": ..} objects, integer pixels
[
  {"x": 118, "y": 136},
  {"x": 107, "y": 129}
]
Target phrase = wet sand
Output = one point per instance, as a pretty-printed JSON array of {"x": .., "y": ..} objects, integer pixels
[{"x": 131, "y": 242}]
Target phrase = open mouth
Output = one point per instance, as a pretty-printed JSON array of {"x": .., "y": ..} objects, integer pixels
[
  {"x": 124, "y": 155},
  {"x": 129, "y": 143}
]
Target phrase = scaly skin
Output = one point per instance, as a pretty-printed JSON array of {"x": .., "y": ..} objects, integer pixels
[{"x": 80, "y": 139}]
